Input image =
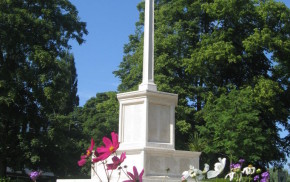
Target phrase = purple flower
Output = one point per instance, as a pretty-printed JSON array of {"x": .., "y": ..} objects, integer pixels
[
  {"x": 265, "y": 175},
  {"x": 242, "y": 161},
  {"x": 116, "y": 161},
  {"x": 263, "y": 180},
  {"x": 135, "y": 177},
  {"x": 34, "y": 175},
  {"x": 237, "y": 166},
  {"x": 256, "y": 178}
]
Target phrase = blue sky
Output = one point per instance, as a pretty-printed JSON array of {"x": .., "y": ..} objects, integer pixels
[{"x": 109, "y": 23}]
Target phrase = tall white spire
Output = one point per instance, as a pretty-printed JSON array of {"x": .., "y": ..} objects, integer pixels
[{"x": 148, "y": 53}]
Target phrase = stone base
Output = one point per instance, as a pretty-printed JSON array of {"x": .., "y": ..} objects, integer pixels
[
  {"x": 159, "y": 164},
  {"x": 74, "y": 180},
  {"x": 145, "y": 179}
]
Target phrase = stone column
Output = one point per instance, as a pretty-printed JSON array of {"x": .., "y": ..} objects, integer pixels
[{"x": 148, "y": 53}]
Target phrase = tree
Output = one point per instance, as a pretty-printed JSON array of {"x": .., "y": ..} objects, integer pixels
[
  {"x": 97, "y": 118},
  {"x": 100, "y": 116},
  {"x": 34, "y": 39},
  {"x": 204, "y": 49},
  {"x": 234, "y": 124},
  {"x": 64, "y": 131}
]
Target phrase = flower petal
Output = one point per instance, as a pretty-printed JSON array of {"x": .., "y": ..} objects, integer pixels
[
  {"x": 131, "y": 175},
  {"x": 115, "y": 159},
  {"x": 92, "y": 144},
  {"x": 185, "y": 174},
  {"x": 141, "y": 175},
  {"x": 218, "y": 168},
  {"x": 212, "y": 174},
  {"x": 206, "y": 168},
  {"x": 111, "y": 166},
  {"x": 123, "y": 157},
  {"x": 104, "y": 156},
  {"x": 230, "y": 175},
  {"x": 96, "y": 159},
  {"x": 102, "y": 149},
  {"x": 114, "y": 138},
  {"x": 135, "y": 172},
  {"x": 107, "y": 142},
  {"x": 115, "y": 141},
  {"x": 82, "y": 162}
]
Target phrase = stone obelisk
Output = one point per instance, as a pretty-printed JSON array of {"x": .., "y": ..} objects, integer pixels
[{"x": 148, "y": 53}]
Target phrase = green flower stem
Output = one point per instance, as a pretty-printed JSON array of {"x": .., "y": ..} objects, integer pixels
[
  {"x": 96, "y": 173},
  {"x": 106, "y": 171},
  {"x": 126, "y": 174}
]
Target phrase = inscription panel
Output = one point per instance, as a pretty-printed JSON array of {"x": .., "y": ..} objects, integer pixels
[
  {"x": 159, "y": 123},
  {"x": 132, "y": 123}
]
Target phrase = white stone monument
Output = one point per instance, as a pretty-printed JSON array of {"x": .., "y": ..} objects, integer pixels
[{"x": 147, "y": 124}]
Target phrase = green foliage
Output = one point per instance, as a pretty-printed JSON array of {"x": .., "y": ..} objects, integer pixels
[
  {"x": 233, "y": 121},
  {"x": 218, "y": 180},
  {"x": 228, "y": 63},
  {"x": 5, "y": 180},
  {"x": 274, "y": 174},
  {"x": 97, "y": 118},
  {"x": 100, "y": 116},
  {"x": 37, "y": 79}
]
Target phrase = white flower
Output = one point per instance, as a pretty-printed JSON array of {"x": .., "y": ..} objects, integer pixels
[
  {"x": 185, "y": 175},
  {"x": 231, "y": 175},
  {"x": 218, "y": 168},
  {"x": 206, "y": 168},
  {"x": 194, "y": 173},
  {"x": 249, "y": 170}
]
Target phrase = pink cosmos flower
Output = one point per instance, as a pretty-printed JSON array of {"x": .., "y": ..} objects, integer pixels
[
  {"x": 116, "y": 161},
  {"x": 96, "y": 159},
  {"x": 135, "y": 177},
  {"x": 88, "y": 154},
  {"x": 82, "y": 162},
  {"x": 109, "y": 148}
]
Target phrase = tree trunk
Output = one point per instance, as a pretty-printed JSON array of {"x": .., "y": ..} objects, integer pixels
[
  {"x": 3, "y": 141},
  {"x": 3, "y": 166}
]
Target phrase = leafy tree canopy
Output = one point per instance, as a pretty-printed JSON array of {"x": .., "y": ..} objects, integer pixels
[
  {"x": 37, "y": 77},
  {"x": 98, "y": 118}
]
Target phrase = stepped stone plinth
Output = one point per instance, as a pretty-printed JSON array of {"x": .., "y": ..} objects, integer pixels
[{"x": 147, "y": 135}]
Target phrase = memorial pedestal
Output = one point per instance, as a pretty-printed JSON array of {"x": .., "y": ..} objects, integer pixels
[
  {"x": 147, "y": 135},
  {"x": 158, "y": 164}
]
